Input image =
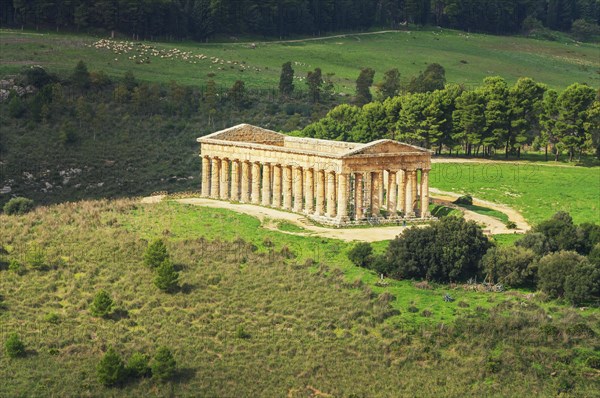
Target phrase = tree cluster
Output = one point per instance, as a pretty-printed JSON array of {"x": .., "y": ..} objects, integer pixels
[
  {"x": 556, "y": 257},
  {"x": 202, "y": 19},
  {"x": 113, "y": 371},
  {"x": 492, "y": 117}
]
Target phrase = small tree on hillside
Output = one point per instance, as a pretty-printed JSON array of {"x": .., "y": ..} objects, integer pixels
[
  {"x": 156, "y": 253},
  {"x": 163, "y": 365},
  {"x": 360, "y": 254},
  {"x": 14, "y": 346},
  {"x": 314, "y": 80},
  {"x": 81, "y": 77},
  {"x": 238, "y": 94},
  {"x": 286, "y": 80},
  {"x": 167, "y": 277},
  {"x": 363, "y": 85},
  {"x": 110, "y": 369},
  {"x": 102, "y": 305},
  {"x": 390, "y": 86}
]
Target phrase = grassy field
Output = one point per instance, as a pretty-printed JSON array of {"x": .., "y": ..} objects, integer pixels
[
  {"x": 312, "y": 324},
  {"x": 536, "y": 190},
  {"x": 468, "y": 58}
]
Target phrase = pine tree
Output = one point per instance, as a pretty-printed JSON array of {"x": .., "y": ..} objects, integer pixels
[
  {"x": 286, "y": 80},
  {"x": 167, "y": 277},
  {"x": 363, "y": 84},
  {"x": 390, "y": 85},
  {"x": 14, "y": 346},
  {"x": 81, "y": 77},
  {"x": 163, "y": 365},
  {"x": 110, "y": 369},
  {"x": 156, "y": 253},
  {"x": 102, "y": 305},
  {"x": 314, "y": 80}
]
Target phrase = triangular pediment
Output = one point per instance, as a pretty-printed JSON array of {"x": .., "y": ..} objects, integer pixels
[
  {"x": 247, "y": 133},
  {"x": 386, "y": 147}
]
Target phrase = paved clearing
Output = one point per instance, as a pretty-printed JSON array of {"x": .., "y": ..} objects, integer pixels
[{"x": 270, "y": 217}]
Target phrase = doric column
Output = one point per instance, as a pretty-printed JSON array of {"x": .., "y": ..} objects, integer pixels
[
  {"x": 277, "y": 185},
  {"x": 235, "y": 180},
  {"x": 245, "y": 185},
  {"x": 381, "y": 188},
  {"x": 310, "y": 190},
  {"x": 287, "y": 187},
  {"x": 358, "y": 196},
  {"x": 266, "y": 184},
  {"x": 402, "y": 191},
  {"x": 224, "y": 189},
  {"x": 320, "y": 193},
  {"x": 214, "y": 178},
  {"x": 375, "y": 190},
  {"x": 255, "y": 183},
  {"x": 410, "y": 195},
  {"x": 415, "y": 191},
  {"x": 298, "y": 194},
  {"x": 392, "y": 192},
  {"x": 425, "y": 193},
  {"x": 205, "y": 176},
  {"x": 331, "y": 197},
  {"x": 342, "y": 197}
]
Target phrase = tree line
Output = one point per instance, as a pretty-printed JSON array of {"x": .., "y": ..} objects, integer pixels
[
  {"x": 492, "y": 117},
  {"x": 202, "y": 19}
]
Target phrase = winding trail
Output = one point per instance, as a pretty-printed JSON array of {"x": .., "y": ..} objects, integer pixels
[{"x": 270, "y": 217}]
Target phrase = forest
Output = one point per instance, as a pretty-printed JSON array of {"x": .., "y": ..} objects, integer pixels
[{"x": 203, "y": 19}]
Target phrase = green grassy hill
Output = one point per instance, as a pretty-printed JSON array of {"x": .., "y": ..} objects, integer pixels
[
  {"x": 263, "y": 313},
  {"x": 468, "y": 58}
]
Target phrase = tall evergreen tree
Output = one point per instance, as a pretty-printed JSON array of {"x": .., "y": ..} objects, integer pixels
[{"x": 363, "y": 86}]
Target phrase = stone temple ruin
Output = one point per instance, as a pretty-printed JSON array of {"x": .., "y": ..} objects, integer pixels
[{"x": 331, "y": 182}]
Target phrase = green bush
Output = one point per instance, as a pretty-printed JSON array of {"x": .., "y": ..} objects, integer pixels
[
  {"x": 102, "y": 305},
  {"x": 156, "y": 253},
  {"x": 16, "y": 267},
  {"x": 241, "y": 333},
  {"x": 569, "y": 275},
  {"x": 464, "y": 200},
  {"x": 163, "y": 365},
  {"x": 18, "y": 206},
  {"x": 167, "y": 277},
  {"x": 111, "y": 370},
  {"x": 360, "y": 254},
  {"x": 14, "y": 346},
  {"x": 137, "y": 366},
  {"x": 510, "y": 265}
]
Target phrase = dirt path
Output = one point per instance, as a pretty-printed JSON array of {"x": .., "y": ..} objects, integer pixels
[
  {"x": 493, "y": 224},
  {"x": 269, "y": 219},
  {"x": 341, "y": 36}
]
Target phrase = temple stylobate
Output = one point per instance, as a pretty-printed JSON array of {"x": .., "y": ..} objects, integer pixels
[{"x": 332, "y": 182}]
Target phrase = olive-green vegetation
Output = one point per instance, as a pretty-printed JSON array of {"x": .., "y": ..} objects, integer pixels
[
  {"x": 467, "y": 58},
  {"x": 262, "y": 313}
]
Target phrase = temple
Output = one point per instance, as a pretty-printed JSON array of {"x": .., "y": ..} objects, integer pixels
[{"x": 332, "y": 182}]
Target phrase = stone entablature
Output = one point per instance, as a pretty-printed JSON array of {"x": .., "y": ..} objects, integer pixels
[{"x": 332, "y": 182}]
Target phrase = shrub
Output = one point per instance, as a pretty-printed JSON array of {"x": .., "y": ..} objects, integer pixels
[
  {"x": 137, "y": 366},
  {"x": 448, "y": 250},
  {"x": 582, "y": 285},
  {"x": 464, "y": 200},
  {"x": 36, "y": 259},
  {"x": 167, "y": 277},
  {"x": 560, "y": 231},
  {"x": 360, "y": 254},
  {"x": 102, "y": 305},
  {"x": 535, "y": 241},
  {"x": 511, "y": 225},
  {"x": 593, "y": 361},
  {"x": 111, "y": 370},
  {"x": 52, "y": 317},
  {"x": 555, "y": 268},
  {"x": 16, "y": 107},
  {"x": 14, "y": 346},
  {"x": 156, "y": 253},
  {"x": 16, "y": 267},
  {"x": 18, "y": 206},
  {"x": 241, "y": 333},
  {"x": 163, "y": 365},
  {"x": 509, "y": 265}
]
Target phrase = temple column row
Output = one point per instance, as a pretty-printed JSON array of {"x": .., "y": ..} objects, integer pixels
[{"x": 313, "y": 191}]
